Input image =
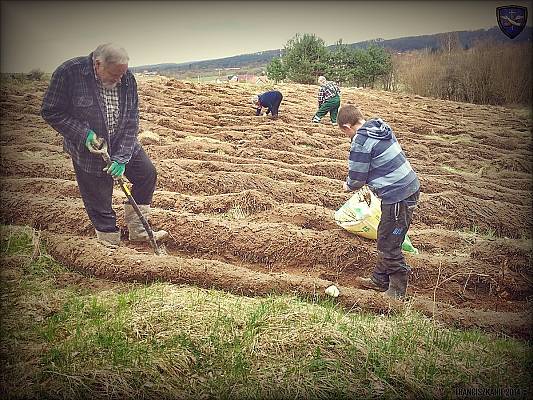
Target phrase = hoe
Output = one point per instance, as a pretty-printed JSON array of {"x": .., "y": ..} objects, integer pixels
[{"x": 102, "y": 150}]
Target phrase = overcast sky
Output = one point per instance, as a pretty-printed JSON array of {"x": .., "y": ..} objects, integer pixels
[{"x": 44, "y": 34}]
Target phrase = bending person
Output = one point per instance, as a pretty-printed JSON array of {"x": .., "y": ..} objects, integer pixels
[
  {"x": 271, "y": 100},
  {"x": 328, "y": 100}
]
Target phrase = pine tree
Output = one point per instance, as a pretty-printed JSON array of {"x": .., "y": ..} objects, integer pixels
[
  {"x": 276, "y": 70},
  {"x": 305, "y": 57}
]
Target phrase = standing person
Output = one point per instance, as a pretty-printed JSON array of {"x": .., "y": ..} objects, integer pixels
[
  {"x": 377, "y": 160},
  {"x": 329, "y": 100},
  {"x": 96, "y": 96},
  {"x": 271, "y": 100}
]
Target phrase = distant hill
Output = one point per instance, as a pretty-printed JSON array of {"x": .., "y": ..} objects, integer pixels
[
  {"x": 262, "y": 58},
  {"x": 466, "y": 38},
  {"x": 249, "y": 60}
]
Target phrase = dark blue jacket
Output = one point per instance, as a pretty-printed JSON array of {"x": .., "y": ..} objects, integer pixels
[
  {"x": 376, "y": 159},
  {"x": 72, "y": 106},
  {"x": 272, "y": 100}
]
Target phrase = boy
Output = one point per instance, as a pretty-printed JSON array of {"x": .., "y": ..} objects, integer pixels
[
  {"x": 271, "y": 100},
  {"x": 376, "y": 159},
  {"x": 328, "y": 100}
]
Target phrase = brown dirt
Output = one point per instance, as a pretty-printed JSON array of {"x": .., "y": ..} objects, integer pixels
[{"x": 249, "y": 201}]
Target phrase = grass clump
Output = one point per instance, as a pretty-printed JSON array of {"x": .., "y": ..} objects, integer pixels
[
  {"x": 236, "y": 212},
  {"x": 92, "y": 339},
  {"x": 488, "y": 233}
]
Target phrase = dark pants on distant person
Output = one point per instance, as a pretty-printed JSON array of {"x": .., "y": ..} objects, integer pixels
[
  {"x": 395, "y": 221},
  {"x": 274, "y": 108},
  {"x": 97, "y": 191}
]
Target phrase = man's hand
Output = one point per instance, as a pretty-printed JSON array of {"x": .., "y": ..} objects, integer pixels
[
  {"x": 90, "y": 141},
  {"x": 116, "y": 170},
  {"x": 346, "y": 187},
  {"x": 94, "y": 143}
]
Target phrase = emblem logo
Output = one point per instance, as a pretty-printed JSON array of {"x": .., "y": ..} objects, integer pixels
[{"x": 511, "y": 20}]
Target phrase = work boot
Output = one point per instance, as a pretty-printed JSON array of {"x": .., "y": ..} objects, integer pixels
[
  {"x": 371, "y": 283},
  {"x": 137, "y": 233},
  {"x": 397, "y": 285},
  {"x": 111, "y": 239}
]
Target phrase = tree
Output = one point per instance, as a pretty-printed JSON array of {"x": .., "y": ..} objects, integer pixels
[
  {"x": 305, "y": 57},
  {"x": 360, "y": 67},
  {"x": 276, "y": 70},
  {"x": 449, "y": 42},
  {"x": 380, "y": 63},
  {"x": 341, "y": 63}
]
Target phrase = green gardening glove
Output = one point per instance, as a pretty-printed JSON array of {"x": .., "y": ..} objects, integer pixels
[
  {"x": 90, "y": 141},
  {"x": 116, "y": 169}
]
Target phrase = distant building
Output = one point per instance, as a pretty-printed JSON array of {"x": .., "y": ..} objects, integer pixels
[
  {"x": 261, "y": 80},
  {"x": 248, "y": 78}
]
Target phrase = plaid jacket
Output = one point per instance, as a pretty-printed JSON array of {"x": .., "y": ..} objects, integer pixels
[
  {"x": 72, "y": 105},
  {"x": 329, "y": 90}
]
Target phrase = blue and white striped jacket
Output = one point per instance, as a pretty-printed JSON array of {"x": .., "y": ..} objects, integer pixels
[
  {"x": 72, "y": 105},
  {"x": 376, "y": 159}
]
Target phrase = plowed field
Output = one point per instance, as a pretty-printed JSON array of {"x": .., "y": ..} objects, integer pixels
[{"x": 249, "y": 201}]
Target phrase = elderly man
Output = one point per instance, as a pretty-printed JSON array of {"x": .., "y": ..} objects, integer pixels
[
  {"x": 96, "y": 96},
  {"x": 328, "y": 100}
]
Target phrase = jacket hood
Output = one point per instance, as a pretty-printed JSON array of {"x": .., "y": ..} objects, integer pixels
[{"x": 376, "y": 129}]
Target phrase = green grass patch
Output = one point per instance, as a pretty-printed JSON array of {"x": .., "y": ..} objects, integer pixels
[
  {"x": 168, "y": 341},
  {"x": 487, "y": 233}
]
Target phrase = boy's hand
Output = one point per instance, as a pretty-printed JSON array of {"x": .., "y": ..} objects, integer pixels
[
  {"x": 367, "y": 196},
  {"x": 346, "y": 187}
]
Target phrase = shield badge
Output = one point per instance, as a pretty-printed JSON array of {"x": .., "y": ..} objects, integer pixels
[{"x": 511, "y": 20}]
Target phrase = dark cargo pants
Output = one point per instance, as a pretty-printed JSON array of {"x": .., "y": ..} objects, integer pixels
[
  {"x": 395, "y": 221},
  {"x": 97, "y": 191}
]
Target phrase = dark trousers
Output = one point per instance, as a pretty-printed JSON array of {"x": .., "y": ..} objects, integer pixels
[
  {"x": 97, "y": 191},
  {"x": 274, "y": 108},
  {"x": 395, "y": 221}
]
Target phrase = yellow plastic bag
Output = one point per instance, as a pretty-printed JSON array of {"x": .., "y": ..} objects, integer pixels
[{"x": 362, "y": 219}]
